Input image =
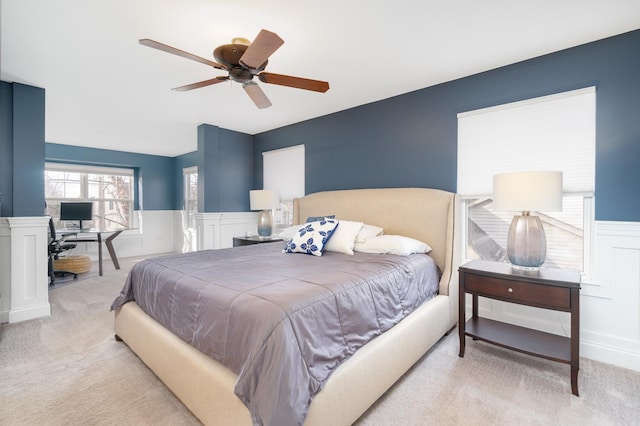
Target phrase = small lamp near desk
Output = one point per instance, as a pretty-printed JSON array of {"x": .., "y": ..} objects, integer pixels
[
  {"x": 264, "y": 200},
  {"x": 527, "y": 192}
]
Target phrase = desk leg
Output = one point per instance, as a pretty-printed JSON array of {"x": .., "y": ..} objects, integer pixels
[
  {"x": 99, "y": 254},
  {"x": 112, "y": 252}
]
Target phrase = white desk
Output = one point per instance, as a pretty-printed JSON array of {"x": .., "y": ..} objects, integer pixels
[{"x": 78, "y": 237}]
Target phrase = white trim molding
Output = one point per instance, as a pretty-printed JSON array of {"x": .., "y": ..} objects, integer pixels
[
  {"x": 5, "y": 270},
  {"x": 25, "y": 287},
  {"x": 216, "y": 230}
]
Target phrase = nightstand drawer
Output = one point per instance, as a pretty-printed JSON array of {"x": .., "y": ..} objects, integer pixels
[{"x": 544, "y": 296}]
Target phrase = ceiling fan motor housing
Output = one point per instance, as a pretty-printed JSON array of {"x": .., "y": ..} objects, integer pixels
[{"x": 229, "y": 55}]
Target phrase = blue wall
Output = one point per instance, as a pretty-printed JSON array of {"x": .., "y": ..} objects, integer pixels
[
  {"x": 236, "y": 171},
  {"x": 154, "y": 173},
  {"x": 225, "y": 169},
  {"x": 22, "y": 143},
  {"x": 6, "y": 149},
  {"x": 408, "y": 140},
  {"x": 411, "y": 140},
  {"x": 228, "y": 159}
]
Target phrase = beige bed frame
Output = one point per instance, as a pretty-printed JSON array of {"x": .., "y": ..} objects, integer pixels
[{"x": 206, "y": 387}]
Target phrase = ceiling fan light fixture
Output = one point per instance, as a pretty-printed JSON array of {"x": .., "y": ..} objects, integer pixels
[{"x": 240, "y": 40}]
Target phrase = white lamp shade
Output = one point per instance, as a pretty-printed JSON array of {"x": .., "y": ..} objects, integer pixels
[
  {"x": 528, "y": 191},
  {"x": 264, "y": 199}
]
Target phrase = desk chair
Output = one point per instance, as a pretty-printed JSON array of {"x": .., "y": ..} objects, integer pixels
[{"x": 57, "y": 246}]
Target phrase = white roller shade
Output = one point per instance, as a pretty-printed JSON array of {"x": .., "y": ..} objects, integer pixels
[
  {"x": 554, "y": 132},
  {"x": 283, "y": 172}
]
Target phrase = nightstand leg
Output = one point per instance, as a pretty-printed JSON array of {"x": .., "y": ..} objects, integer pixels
[
  {"x": 461, "y": 315},
  {"x": 575, "y": 339}
]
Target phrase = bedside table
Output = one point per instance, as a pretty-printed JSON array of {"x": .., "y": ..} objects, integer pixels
[
  {"x": 547, "y": 288},
  {"x": 253, "y": 239}
]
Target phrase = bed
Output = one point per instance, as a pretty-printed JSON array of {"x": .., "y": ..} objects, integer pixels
[{"x": 206, "y": 386}]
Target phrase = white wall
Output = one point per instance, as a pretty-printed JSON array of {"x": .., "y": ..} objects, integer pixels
[{"x": 23, "y": 252}]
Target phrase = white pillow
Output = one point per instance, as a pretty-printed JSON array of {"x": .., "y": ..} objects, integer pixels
[
  {"x": 368, "y": 231},
  {"x": 344, "y": 237},
  {"x": 288, "y": 232},
  {"x": 311, "y": 238},
  {"x": 392, "y": 244}
]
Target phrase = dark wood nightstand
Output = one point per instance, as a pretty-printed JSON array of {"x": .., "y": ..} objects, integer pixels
[
  {"x": 547, "y": 288},
  {"x": 253, "y": 239}
]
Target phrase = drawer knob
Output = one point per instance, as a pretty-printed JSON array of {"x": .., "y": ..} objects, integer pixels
[{"x": 510, "y": 290}]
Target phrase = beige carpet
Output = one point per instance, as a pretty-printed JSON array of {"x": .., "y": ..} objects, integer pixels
[{"x": 69, "y": 370}]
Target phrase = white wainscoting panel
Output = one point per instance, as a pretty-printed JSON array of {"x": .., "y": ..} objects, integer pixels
[
  {"x": 29, "y": 283},
  {"x": 610, "y": 317},
  {"x": 5, "y": 270},
  {"x": 609, "y": 301},
  {"x": 216, "y": 230}
]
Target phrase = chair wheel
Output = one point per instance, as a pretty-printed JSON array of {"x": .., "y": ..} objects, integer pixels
[{"x": 75, "y": 278}]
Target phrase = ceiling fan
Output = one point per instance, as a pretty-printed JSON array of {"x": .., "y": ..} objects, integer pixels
[{"x": 243, "y": 61}]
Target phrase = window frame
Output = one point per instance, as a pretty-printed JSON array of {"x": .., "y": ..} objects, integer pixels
[
  {"x": 188, "y": 217},
  {"x": 474, "y": 181},
  {"x": 85, "y": 170},
  {"x": 283, "y": 170},
  {"x": 588, "y": 223}
]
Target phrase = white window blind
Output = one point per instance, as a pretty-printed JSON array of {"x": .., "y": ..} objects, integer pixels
[
  {"x": 283, "y": 172},
  {"x": 555, "y": 132}
]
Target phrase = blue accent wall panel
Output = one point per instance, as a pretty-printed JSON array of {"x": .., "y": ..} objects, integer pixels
[
  {"x": 225, "y": 169},
  {"x": 411, "y": 140},
  {"x": 208, "y": 168},
  {"x": 6, "y": 149},
  {"x": 28, "y": 150},
  {"x": 236, "y": 169},
  {"x": 155, "y": 173}
]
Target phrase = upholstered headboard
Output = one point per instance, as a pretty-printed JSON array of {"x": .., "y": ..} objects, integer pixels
[{"x": 424, "y": 214}]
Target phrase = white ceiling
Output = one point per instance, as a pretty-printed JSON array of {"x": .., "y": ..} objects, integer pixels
[{"x": 105, "y": 90}]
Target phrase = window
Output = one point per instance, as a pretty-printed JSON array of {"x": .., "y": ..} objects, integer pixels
[
  {"x": 110, "y": 190},
  {"x": 190, "y": 191},
  {"x": 283, "y": 171},
  {"x": 554, "y": 132}
]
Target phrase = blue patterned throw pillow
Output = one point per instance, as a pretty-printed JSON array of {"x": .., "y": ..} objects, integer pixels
[
  {"x": 311, "y": 237},
  {"x": 317, "y": 218}
]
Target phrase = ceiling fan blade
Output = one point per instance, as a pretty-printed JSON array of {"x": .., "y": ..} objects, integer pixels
[
  {"x": 165, "y": 48},
  {"x": 297, "y": 82},
  {"x": 256, "y": 94},
  {"x": 200, "y": 84},
  {"x": 262, "y": 47}
]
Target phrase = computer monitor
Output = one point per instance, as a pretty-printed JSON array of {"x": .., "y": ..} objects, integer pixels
[{"x": 76, "y": 211}]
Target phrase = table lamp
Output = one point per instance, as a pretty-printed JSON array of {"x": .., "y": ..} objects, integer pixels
[
  {"x": 265, "y": 200},
  {"x": 527, "y": 192}
]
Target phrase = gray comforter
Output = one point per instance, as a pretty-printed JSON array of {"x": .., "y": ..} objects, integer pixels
[{"x": 281, "y": 322}]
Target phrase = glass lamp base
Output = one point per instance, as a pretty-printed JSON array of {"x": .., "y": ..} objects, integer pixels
[
  {"x": 526, "y": 243},
  {"x": 264, "y": 223}
]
